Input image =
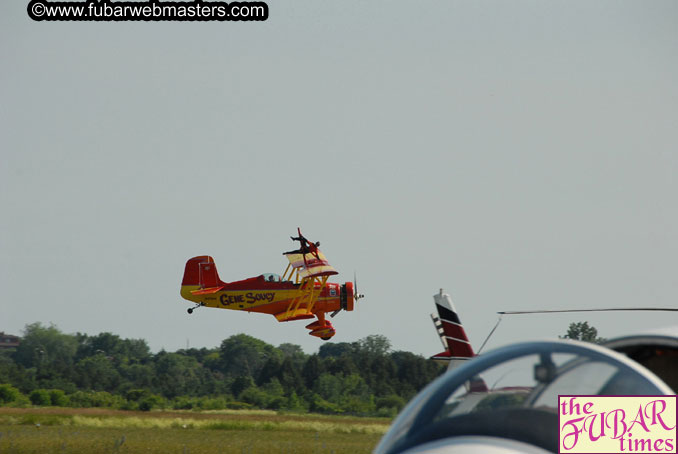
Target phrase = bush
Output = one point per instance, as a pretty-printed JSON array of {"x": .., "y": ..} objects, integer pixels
[
  {"x": 87, "y": 399},
  {"x": 390, "y": 401},
  {"x": 254, "y": 396},
  {"x": 40, "y": 397},
  {"x": 235, "y": 405},
  {"x": 80, "y": 399},
  {"x": 295, "y": 403},
  {"x": 9, "y": 393},
  {"x": 387, "y": 412},
  {"x": 58, "y": 398},
  {"x": 22, "y": 402},
  {"x": 151, "y": 402},
  {"x": 277, "y": 403},
  {"x": 183, "y": 403},
  {"x": 61, "y": 383},
  {"x": 320, "y": 405},
  {"x": 357, "y": 406},
  {"x": 211, "y": 403},
  {"x": 129, "y": 405},
  {"x": 137, "y": 395}
]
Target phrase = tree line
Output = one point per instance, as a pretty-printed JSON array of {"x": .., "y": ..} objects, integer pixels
[{"x": 365, "y": 377}]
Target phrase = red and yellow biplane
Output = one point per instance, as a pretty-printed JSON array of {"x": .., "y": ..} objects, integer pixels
[{"x": 302, "y": 292}]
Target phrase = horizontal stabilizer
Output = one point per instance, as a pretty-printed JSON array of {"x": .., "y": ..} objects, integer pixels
[
  {"x": 447, "y": 356},
  {"x": 206, "y": 291}
]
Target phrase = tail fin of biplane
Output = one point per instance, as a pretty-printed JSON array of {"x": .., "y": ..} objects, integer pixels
[
  {"x": 201, "y": 271},
  {"x": 200, "y": 278},
  {"x": 451, "y": 332}
]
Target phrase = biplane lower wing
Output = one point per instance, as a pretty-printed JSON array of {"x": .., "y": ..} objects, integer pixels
[{"x": 298, "y": 314}]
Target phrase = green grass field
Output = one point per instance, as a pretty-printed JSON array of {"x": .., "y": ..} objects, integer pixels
[{"x": 66, "y": 430}]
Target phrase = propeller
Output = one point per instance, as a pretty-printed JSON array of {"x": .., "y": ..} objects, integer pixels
[{"x": 356, "y": 295}]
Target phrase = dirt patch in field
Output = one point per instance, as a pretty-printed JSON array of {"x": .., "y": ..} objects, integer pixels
[{"x": 246, "y": 415}]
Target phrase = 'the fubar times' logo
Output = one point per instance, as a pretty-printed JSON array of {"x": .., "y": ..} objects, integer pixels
[{"x": 617, "y": 424}]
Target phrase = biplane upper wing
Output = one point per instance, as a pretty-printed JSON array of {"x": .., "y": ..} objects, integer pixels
[{"x": 309, "y": 265}]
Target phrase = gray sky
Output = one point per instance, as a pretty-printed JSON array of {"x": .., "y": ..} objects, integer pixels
[{"x": 520, "y": 155}]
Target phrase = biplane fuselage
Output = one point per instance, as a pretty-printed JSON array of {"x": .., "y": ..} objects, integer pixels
[{"x": 292, "y": 296}]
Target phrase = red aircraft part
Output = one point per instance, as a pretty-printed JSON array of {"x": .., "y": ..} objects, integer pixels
[
  {"x": 350, "y": 296},
  {"x": 201, "y": 271},
  {"x": 285, "y": 299}
]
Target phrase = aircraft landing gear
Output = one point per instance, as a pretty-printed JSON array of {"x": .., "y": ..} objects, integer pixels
[{"x": 191, "y": 309}]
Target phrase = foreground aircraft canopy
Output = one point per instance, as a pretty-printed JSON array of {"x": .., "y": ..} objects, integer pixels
[
  {"x": 505, "y": 401},
  {"x": 517, "y": 413},
  {"x": 656, "y": 349},
  {"x": 302, "y": 292}
]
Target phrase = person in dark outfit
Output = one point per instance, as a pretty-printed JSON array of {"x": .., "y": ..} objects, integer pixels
[{"x": 305, "y": 246}]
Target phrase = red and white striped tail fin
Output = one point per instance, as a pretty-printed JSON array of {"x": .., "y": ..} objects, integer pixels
[
  {"x": 450, "y": 330},
  {"x": 455, "y": 341}
]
